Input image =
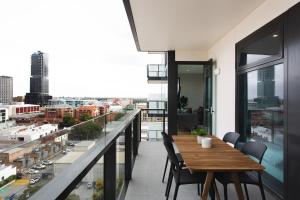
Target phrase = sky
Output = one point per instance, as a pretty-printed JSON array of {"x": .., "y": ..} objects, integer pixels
[{"x": 89, "y": 42}]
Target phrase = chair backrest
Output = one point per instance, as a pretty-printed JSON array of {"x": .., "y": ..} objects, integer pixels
[
  {"x": 171, "y": 154},
  {"x": 255, "y": 149},
  {"x": 231, "y": 137},
  {"x": 166, "y": 137}
]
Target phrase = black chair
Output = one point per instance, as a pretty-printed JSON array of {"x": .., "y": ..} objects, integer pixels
[
  {"x": 181, "y": 175},
  {"x": 167, "y": 138},
  {"x": 232, "y": 138},
  {"x": 256, "y": 150}
]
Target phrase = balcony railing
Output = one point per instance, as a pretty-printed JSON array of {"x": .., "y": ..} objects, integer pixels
[
  {"x": 153, "y": 124},
  {"x": 157, "y": 72},
  {"x": 91, "y": 160}
]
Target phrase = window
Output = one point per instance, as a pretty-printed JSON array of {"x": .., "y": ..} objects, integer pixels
[{"x": 263, "y": 114}]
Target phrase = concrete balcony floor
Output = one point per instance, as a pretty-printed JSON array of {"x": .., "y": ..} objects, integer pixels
[{"x": 147, "y": 174}]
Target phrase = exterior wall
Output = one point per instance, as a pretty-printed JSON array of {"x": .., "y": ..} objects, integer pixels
[
  {"x": 191, "y": 55},
  {"x": 7, "y": 171},
  {"x": 93, "y": 111},
  {"x": 58, "y": 113},
  {"x": 223, "y": 54},
  {"x": 7, "y": 157}
]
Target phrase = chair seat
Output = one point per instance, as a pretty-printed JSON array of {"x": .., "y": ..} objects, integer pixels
[
  {"x": 244, "y": 177},
  {"x": 187, "y": 178}
]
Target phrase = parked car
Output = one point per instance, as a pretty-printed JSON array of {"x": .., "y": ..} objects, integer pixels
[
  {"x": 47, "y": 162},
  {"x": 32, "y": 181},
  {"x": 33, "y": 171},
  {"x": 89, "y": 185},
  {"x": 37, "y": 179}
]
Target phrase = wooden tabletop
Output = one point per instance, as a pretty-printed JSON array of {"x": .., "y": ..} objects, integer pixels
[{"x": 220, "y": 158}]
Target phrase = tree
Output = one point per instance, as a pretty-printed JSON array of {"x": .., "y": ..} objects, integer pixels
[
  {"x": 85, "y": 116},
  {"x": 68, "y": 121},
  {"x": 86, "y": 131}
]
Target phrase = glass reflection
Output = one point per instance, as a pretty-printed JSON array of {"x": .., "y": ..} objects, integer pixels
[{"x": 263, "y": 120}]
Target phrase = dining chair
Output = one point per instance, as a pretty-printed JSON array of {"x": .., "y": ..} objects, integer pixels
[
  {"x": 167, "y": 138},
  {"x": 257, "y": 151},
  {"x": 182, "y": 176},
  {"x": 232, "y": 138}
]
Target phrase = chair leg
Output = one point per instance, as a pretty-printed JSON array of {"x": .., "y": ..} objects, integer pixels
[
  {"x": 198, "y": 189},
  {"x": 169, "y": 181},
  {"x": 225, "y": 192},
  {"x": 166, "y": 165},
  {"x": 246, "y": 191},
  {"x": 169, "y": 188},
  {"x": 262, "y": 190},
  {"x": 176, "y": 191}
]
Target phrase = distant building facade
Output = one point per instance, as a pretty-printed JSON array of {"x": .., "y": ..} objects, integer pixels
[
  {"x": 6, "y": 89},
  {"x": 3, "y": 114},
  {"x": 92, "y": 111},
  {"x": 39, "y": 82},
  {"x": 57, "y": 113},
  {"x": 15, "y": 110}
]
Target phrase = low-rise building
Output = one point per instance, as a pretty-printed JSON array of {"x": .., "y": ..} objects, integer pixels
[
  {"x": 27, "y": 133},
  {"x": 92, "y": 111},
  {"x": 57, "y": 113},
  {"x": 10, "y": 155},
  {"x": 7, "y": 171},
  {"x": 20, "y": 108}
]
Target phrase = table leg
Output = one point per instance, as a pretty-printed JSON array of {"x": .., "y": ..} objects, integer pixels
[
  {"x": 209, "y": 179},
  {"x": 216, "y": 190},
  {"x": 237, "y": 184}
]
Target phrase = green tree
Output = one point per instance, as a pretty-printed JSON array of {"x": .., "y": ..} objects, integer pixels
[
  {"x": 68, "y": 121},
  {"x": 86, "y": 131},
  {"x": 84, "y": 117}
]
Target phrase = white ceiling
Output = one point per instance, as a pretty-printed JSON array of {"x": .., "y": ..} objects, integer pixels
[{"x": 186, "y": 24}]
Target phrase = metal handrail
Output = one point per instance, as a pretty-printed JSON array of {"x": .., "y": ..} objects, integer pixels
[{"x": 165, "y": 71}]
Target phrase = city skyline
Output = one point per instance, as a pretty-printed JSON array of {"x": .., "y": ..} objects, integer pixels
[{"x": 88, "y": 54}]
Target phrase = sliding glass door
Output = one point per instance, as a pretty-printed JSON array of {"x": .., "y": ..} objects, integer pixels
[{"x": 262, "y": 114}]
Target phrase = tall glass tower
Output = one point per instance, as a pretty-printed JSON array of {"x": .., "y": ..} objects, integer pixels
[{"x": 39, "y": 82}]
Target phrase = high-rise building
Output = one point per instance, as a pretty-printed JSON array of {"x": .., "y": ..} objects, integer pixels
[
  {"x": 6, "y": 89},
  {"x": 39, "y": 82}
]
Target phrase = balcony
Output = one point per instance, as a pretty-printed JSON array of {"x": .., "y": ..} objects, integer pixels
[
  {"x": 157, "y": 73},
  {"x": 115, "y": 164}
]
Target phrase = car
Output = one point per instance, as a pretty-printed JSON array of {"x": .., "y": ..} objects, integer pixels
[
  {"x": 64, "y": 152},
  {"x": 37, "y": 179},
  {"x": 47, "y": 162},
  {"x": 42, "y": 166},
  {"x": 33, "y": 171},
  {"x": 89, "y": 185},
  {"x": 32, "y": 181}
]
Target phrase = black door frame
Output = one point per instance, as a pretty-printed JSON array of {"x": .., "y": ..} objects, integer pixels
[
  {"x": 172, "y": 87},
  {"x": 269, "y": 181}
]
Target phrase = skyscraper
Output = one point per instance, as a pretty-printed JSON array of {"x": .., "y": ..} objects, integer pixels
[
  {"x": 39, "y": 82},
  {"x": 6, "y": 89}
]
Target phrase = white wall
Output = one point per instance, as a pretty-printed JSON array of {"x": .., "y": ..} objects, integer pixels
[
  {"x": 223, "y": 53},
  {"x": 192, "y": 87},
  {"x": 7, "y": 171},
  {"x": 191, "y": 55}
]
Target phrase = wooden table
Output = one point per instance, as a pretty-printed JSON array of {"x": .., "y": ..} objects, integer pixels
[{"x": 220, "y": 158}]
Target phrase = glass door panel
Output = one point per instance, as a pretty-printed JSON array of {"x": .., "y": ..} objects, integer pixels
[{"x": 262, "y": 113}]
